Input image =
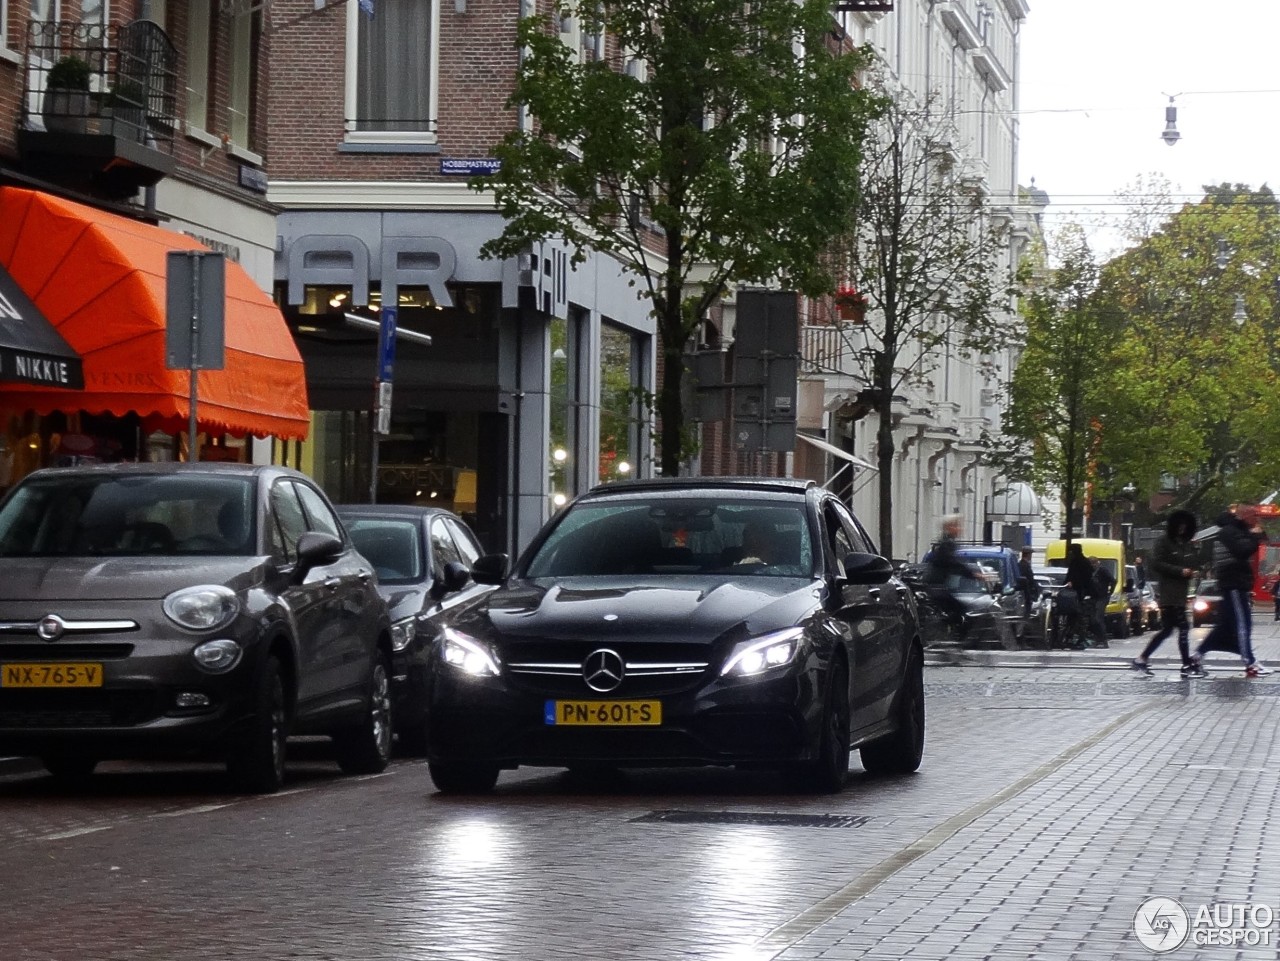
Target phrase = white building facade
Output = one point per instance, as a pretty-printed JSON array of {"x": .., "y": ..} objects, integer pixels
[{"x": 961, "y": 58}]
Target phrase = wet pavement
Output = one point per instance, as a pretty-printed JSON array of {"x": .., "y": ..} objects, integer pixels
[{"x": 1053, "y": 800}]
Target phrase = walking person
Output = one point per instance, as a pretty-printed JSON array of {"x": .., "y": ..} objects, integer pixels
[
  {"x": 1080, "y": 581},
  {"x": 1104, "y": 584},
  {"x": 1275, "y": 596},
  {"x": 1174, "y": 561},
  {"x": 1235, "y": 544},
  {"x": 1030, "y": 589}
]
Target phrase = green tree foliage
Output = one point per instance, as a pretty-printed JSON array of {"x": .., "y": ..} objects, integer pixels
[
  {"x": 927, "y": 256},
  {"x": 729, "y": 157},
  {"x": 1192, "y": 386},
  {"x": 1058, "y": 395}
]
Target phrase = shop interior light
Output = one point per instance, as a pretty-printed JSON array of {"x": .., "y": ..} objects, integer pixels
[
  {"x": 624, "y": 467},
  {"x": 560, "y": 455},
  {"x": 559, "y": 499}
]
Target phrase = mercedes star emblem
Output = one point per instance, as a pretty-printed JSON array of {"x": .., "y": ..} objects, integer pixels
[{"x": 602, "y": 670}]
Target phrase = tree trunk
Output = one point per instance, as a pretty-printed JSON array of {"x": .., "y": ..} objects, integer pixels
[
  {"x": 671, "y": 403},
  {"x": 884, "y": 443}
]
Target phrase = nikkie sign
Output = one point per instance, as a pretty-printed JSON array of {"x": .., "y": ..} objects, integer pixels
[{"x": 31, "y": 350}]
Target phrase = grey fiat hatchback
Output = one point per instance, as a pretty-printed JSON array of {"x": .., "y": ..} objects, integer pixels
[{"x": 161, "y": 610}]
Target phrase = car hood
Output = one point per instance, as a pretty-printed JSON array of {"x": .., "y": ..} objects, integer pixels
[
  {"x": 119, "y": 578},
  {"x": 691, "y": 610}
]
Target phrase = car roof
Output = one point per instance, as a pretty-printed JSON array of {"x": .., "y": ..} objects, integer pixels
[
  {"x": 161, "y": 468},
  {"x": 778, "y": 485},
  {"x": 407, "y": 511}
]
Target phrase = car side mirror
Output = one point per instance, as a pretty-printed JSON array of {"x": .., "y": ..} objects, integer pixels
[
  {"x": 316, "y": 548},
  {"x": 453, "y": 577},
  {"x": 490, "y": 569},
  {"x": 862, "y": 568}
]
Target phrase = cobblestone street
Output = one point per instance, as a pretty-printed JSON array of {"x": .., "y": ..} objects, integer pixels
[{"x": 1052, "y": 802}]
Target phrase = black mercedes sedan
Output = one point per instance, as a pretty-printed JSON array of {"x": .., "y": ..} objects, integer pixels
[
  {"x": 186, "y": 610},
  {"x": 423, "y": 558},
  {"x": 726, "y": 621}
]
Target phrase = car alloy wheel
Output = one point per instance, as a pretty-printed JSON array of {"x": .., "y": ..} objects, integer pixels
[
  {"x": 366, "y": 749},
  {"x": 902, "y": 751},
  {"x": 827, "y": 773},
  {"x": 256, "y": 760}
]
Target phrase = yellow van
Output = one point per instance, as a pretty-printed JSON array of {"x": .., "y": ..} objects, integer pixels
[{"x": 1111, "y": 555}]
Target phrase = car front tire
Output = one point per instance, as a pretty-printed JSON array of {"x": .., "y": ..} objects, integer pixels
[
  {"x": 366, "y": 748},
  {"x": 463, "y": 777},
  {"x": 902, "y": 751},
  {"x": 256, "y": 760},
  {"x": 827, "y": 773}
]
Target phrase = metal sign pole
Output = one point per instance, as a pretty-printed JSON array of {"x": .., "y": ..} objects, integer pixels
[{"x": 193, "y": 450}]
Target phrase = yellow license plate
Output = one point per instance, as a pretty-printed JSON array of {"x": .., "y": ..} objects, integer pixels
[
  {"x": 604, "y": 713},
  {"x": 51, "y": 675}
]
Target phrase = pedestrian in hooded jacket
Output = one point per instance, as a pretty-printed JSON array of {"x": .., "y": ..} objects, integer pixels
[
  {"x": 1236, "y": 543},
  {"x": 1080, "y": 579},
  {"x": 1174, "y": 561}
]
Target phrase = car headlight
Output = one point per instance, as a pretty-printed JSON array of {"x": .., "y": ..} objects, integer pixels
[
  {"x": 761, "y": 654},
  {"x": 467, "y": 654},
  {"x": 402, "y": 632},
  {"x": 217, "y": 656},
  {"x": 203, "y": 608},
  {"x": 1200, "y": 606}
]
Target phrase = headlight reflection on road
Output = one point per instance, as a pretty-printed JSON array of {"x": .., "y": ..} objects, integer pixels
[
  {"x": 740, "y": 869},
  {"x": 465, "y": 846}
]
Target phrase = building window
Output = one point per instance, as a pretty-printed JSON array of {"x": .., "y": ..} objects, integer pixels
[
  {"x": 244, "y": 60},
  {"x": 392, "y": 66},
  {"x": 198, "y": 34},
  {"x": 619, "y": 403}
]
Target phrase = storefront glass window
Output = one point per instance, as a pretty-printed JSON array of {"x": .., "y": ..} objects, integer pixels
[
  {"x": 561, "y": 448},
  {"x": 619, "y": 427}
]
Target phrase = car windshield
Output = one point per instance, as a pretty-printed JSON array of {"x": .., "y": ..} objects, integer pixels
[
  {"x": 1208, "y": 587},
  {"x": 685, "y": 535},
  {"x": 392, "y": 546},
  {"x": 129, "y": 515},
  {"x": 1056, "y": 576}
]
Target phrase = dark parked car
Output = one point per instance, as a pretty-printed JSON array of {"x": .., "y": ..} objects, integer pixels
[
  {"x": 684, "y": 621},
  {"x": 423, "y": 558},
  {"x": 186, "y": 609},
  {"x": 1205, "y": 603}
]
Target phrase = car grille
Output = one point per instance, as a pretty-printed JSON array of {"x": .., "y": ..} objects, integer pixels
[
  {"x": 30, "y": 709},
  {"x": 649, "y": 669},
  {"x": 63, "y": 652}
]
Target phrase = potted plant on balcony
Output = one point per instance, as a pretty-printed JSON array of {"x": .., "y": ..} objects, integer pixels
[
  {"x": 851, "y": 304},
  {"x": 127, "y": 103},
  {"x": 66, "y": 95}
]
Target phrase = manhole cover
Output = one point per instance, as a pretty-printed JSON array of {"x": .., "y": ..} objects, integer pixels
[{"x": 751, "y": 817}]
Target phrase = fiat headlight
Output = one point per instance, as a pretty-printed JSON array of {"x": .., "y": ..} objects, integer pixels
[
  {"x": 402, "y": 633},
  {"x": 204, "y": 608},
  {"x": 761, "y": 654},
  {"x": 467, "y": 655}
]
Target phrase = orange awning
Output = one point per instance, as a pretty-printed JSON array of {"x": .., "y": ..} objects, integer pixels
[{"x": 100, "y": 280}]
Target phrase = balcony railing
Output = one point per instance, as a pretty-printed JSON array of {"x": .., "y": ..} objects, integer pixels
[
  {"x": 827, "y": 349},
  {"x": 87, "y": 78}
]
